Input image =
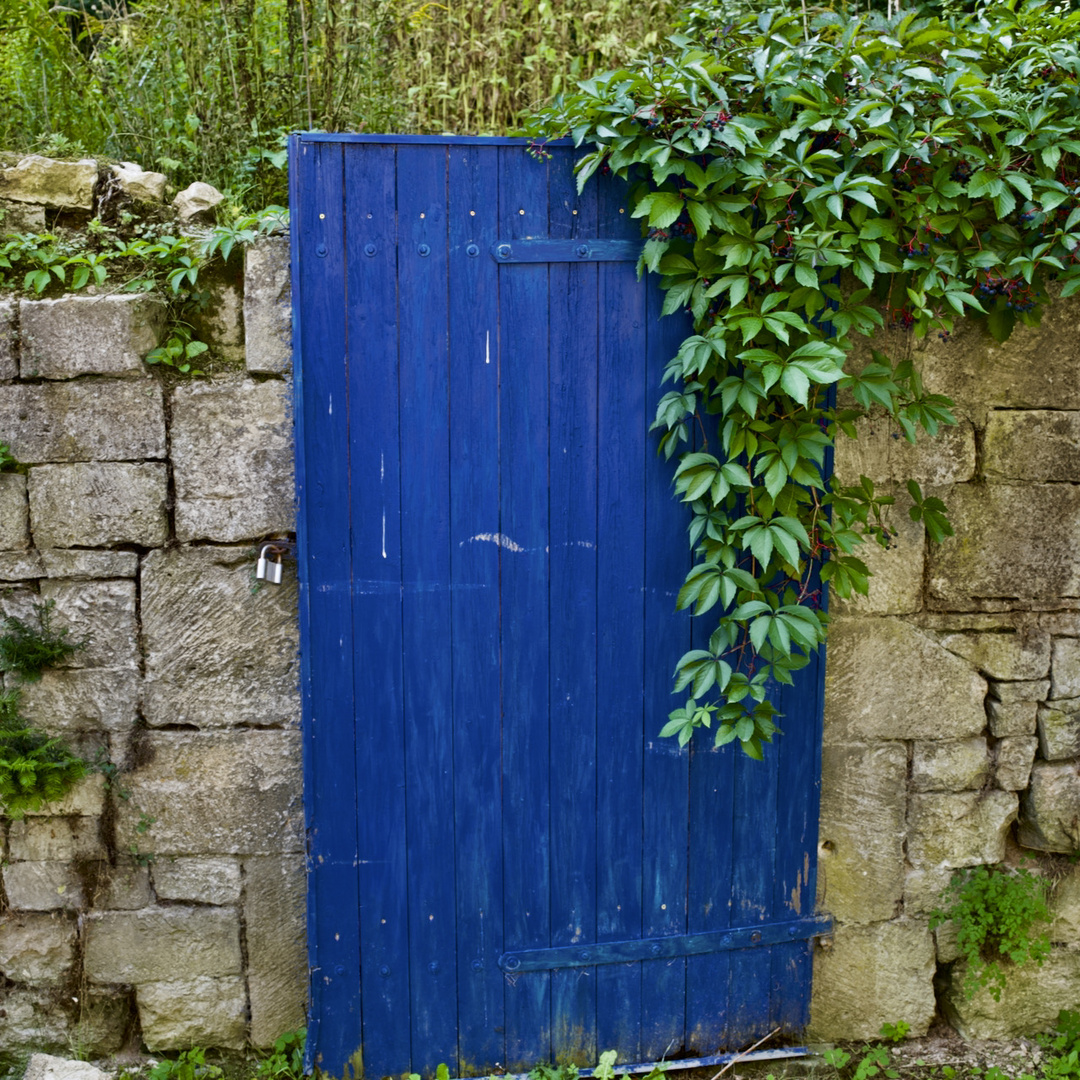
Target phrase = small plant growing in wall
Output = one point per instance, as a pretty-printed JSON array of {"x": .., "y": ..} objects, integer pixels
[
  {"x": 1001, "y": 918},
  {"x": 27, "y": 648}
]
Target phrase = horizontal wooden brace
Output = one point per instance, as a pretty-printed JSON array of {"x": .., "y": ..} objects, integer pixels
[
  {"x": 663, "y": 948},
  {"x": 548, "y": 251}
]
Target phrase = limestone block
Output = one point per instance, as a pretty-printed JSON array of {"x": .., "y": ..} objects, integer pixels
[
  {"x": 42, "y": 886},
  {"x": 20, "y": 566},
  {"x": 217, "y": 655},
  {"x": 1009, "y": 693},
  {"x": 1039, "y": 446},
  {"x": 897, "y": 582},
  {"x": 961, "y": 829},
  {"x": 1065, "y": 672},
  {"x": 946, "y": 943},
  {"x": 1016, "y": 718},
  {"x": 924, "y": 887},
  {"x": 181, "y": 1013},
  {"x": 195, "y": 200},
  {"x": 1050, "y": 808},
  {"x": 863, "y": 805},
  {"x": 87, "y": 797},
  {"x": 1005, "y": 655},
  {"x": 33, "y": 1020},
  {"x": 138, "y": 183},
  {"x": 232, "y": 459},
  {"x": 160, "y": 943},
  {"x": 9, "y": 364},
  {"x": 198, "y": 879},
  {"x": 99, "y": 503},
  {"x": 887, "y": 680},
  {"x": 1015, "y": 756},
  {"x": 36, "y": 948},
  {"x": 46, "y": 1067},
  {"x": 106, "y": 1016},
  {"x": 1030, "y": 1002},
  {"x": 14, "y": 513},
  {"x": 55, "y": 839},
  {"x": 60, "y": 185},
  {"x": 268, "y": 306},
  {"x": 89, "y": 335},
  {"x": 73, "y": 563},
  {"x": 278, "y": 1003},
  {"x": 110, "y": 420},
  {"x": 1012, "y": 543},
  {"x": 123, "y": 887},
  {"x": 1059, "y": 730},
  {"x": 21, "y": 217},
  {"x": 954, "y": 765},
  {"x": 89, "y": 699},
  {"x": 219, "y": 320},
  {"x": 871, "y": 976},
  {"x": 1065, "y": 908},
  {"x": 102, "y": 613},
  {"x": 227, "y": 793},
  {"x": 882, "y": 453}
]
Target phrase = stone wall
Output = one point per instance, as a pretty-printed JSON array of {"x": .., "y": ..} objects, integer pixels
[
  {"x": 163, "y": 900},
  {"x": 952, "y": 719}
]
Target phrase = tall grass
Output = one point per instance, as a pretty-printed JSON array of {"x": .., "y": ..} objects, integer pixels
[{"x": 206, "y": 89}]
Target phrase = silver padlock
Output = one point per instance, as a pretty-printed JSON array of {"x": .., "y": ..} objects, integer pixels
[{"x": 267, "y": 570}]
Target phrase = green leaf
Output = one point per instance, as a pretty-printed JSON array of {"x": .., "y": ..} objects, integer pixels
[{"x": 665, "y": 208}]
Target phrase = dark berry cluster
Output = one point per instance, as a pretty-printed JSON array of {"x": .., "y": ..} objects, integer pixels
[
  {"x": 901, "y": 318},
  {"x": 962, "y": 171},
  {"x": 1019, "y": 296}
]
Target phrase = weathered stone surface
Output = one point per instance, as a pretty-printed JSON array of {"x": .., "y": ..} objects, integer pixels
[
  {"x": 140, "y": 184},
  {"x": 123, "y": 887},
  {"x": 87, "y": 797},
  {"x": 1030, "y": 1001},
  {"x": 32, "y": 1020},
  {"x": 232, "y": 460},
  {"x": 105, "y": 1018},
  {"x": 1065, "y": 672},
  {"x": 198, "y": 879},
  {"x": 22, "y": 217},
  {"x": 871, "y": 976},
  {"x": 897, "y": 581},
  {"x": 924, "y": 887},
  {"x": 161, "y": 943},
  {"x": 99, "y": 503},
  {"x": 42, "y": 886},
  {"x": 9, "y": 364},
  {"x": 1015, "y": 756},
  {"x": 20, "y": 566},
  {"x": 216, "y": 793},
  {"x": 45, "y": 1067},
  {"x": 88, "y": 335},
  {"x": 882, "y": 453},
  {"x": 219, "y": 320},
  {"x": 14, "y": 513},
  {"x": 55, "y": 839},
  {"x": 91, "y": 699},
  {"x": 863, "y": 805},
  {"x": 36, "y": 948},
  {"x": 108, "y": 420},
  {"x": 946, "y": 943},
  {"x": 278, "y": 1003},
  {"x": 1005, "y": 655},
  {"x": 1065, "y": 908},
  {"x": 1016, "y": 718},
  {"x": 268, "y": 306},
  {"x": 83, "y": 565},
  {"x": 1038, "y": 446},
  {"x": 1050, "y": 808},
  {"x": 196, "y": 199},
  {"x": 101, "y": 613},
  {"x": 1009, "y": 693},
  {"x": 1012, "y": 543},
  {"x": 217, "y": 655},
  {"x": 61, "y": 185},
  {"x": 887, "y": 680},
  {"x": 954, "y": 765},
  {"x": 961, "y": 829},
  {"x": 1059, "y": 730},
  {"x": 181, "y": 1013}
]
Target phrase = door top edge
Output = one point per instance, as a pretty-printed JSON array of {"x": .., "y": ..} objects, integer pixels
[{"x": 426, "y": 140}]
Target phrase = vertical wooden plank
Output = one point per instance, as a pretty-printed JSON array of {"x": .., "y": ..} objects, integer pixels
[
  {"x": 573, "y": 486},
  {"x": 523, "y": 538},
  {"x": 474, "y": 569},
  {"x": 621, "y": 653},
  {"x": 326, "y": 579},
  {"x": 665, "y": 772},
  {"x": 426, "y": 625},
  {"x": 371, "y": 241}
]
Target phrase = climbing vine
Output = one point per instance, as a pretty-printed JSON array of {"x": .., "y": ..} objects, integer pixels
[{"x": 803, "y": 183}]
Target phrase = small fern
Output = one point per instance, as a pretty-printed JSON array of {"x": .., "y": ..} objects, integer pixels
[{"x": 26, "y": 650}]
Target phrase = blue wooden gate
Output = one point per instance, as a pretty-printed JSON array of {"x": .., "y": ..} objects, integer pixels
[{"x": 506, "y": 863}]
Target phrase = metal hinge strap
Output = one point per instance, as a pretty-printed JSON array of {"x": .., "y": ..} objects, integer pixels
[{"x": 548, "y": 251}]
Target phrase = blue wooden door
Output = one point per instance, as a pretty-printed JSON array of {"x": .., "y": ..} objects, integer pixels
[{"x": 507, "y": 865}]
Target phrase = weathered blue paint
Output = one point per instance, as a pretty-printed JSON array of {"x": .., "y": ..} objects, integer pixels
[{"x": 489, "y": 555}]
